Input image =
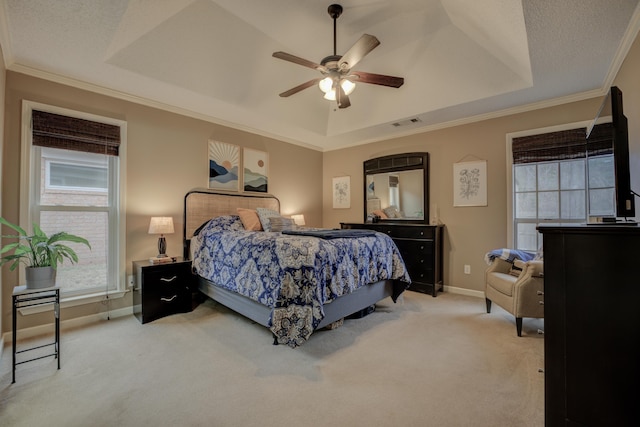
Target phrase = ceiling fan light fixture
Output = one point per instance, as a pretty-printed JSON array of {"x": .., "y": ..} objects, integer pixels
[
  {"x": 337, "y": 68},
  {"x": 348, "y": 86},
  {"x": 326, "y": 85}
]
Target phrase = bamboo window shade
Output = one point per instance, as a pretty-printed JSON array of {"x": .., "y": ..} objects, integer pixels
[
  {"x": 71, "y": 133},
  {"x": 563, "y": 145}
]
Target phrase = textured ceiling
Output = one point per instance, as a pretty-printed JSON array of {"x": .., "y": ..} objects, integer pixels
[{"x": 461, "y": 59}]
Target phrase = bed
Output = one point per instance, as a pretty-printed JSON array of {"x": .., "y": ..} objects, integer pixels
[{"x": 259, "y": 282}]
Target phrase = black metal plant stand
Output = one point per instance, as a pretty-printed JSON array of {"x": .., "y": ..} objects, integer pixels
[{"x": 23, "y": 297}]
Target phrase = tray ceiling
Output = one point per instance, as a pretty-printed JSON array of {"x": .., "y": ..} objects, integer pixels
[{"x": 461, "y": 59}]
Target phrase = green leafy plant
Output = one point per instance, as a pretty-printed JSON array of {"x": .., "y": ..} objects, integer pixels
[{"x": 38, "y": 249}]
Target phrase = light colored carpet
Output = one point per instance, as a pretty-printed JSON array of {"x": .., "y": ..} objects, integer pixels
[{"x": 422, "y": 362}]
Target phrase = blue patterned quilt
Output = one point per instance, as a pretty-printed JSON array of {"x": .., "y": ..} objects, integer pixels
[{"x": 293, "y": 275}]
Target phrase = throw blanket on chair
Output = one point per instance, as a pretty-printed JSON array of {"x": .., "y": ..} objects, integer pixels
[{"x": 509, "y": 255}]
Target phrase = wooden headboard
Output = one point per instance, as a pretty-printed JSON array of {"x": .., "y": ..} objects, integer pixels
[{"x": 200, "y": 205}]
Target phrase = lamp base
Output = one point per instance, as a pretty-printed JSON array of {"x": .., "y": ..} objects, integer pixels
[{"x": 162, "y": 247}]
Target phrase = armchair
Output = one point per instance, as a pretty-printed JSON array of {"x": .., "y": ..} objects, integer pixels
[{"x": 519, "y": 295}]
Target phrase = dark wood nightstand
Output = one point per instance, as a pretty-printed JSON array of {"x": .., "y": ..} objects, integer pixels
[{"x": 162, "y": 289}]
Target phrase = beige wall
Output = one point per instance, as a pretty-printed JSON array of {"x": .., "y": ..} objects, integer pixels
[
  {"x": 166, "y": 152},
  {"x": 166, "y": 157},
  {"x": 472, "y": 231}
]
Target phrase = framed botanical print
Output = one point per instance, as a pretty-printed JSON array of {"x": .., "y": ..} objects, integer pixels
[
  {"x": 341, "y": 192},
  {"x": 470, "y": 183}
]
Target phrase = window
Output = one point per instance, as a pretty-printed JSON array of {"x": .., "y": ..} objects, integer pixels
[
  {"x": 560, "y": 178},
  {"x": 76, "y": 175},
  {"x": 73, "y": 166}
]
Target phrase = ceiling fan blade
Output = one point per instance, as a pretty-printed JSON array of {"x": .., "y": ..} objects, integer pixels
[
  {"x": 298, "y": 88},
  {"x": 341, "y": 97},
  {"x": 359, "y": 50},
  {"x": 300, "y": 61},
  {"x": 375, "y": 79}
]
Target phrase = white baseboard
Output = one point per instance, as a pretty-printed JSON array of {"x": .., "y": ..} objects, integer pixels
[
  {"x": 71, "y": 323},
  {"x": 464, "y": 291}
]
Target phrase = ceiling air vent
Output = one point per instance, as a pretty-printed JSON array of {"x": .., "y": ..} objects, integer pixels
[{"x": 406, "y": 122}]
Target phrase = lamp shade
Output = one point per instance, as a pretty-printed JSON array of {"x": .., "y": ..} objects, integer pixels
[
  {"x": 298, "y": 219},
  {"x": 161, "y": 225}
]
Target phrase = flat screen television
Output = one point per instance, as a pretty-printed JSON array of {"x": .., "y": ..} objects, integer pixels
[{"x": 624, "y": 194}]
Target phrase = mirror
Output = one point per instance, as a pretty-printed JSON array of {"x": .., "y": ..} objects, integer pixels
[{"x": 396, "y": 188}]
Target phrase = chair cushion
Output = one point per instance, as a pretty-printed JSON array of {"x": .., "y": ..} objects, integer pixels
[{"x": 502, "y": 282}]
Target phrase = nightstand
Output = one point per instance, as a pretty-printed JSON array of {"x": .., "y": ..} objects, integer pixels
[{"x": 162, "y": 289}]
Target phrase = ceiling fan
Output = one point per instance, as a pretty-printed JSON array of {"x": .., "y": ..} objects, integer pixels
[{"x": 338, "y": 79}]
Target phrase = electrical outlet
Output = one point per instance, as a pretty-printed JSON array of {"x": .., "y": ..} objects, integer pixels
[
  {"x": 131, "y": 281},
  {"x": 467, "y": 269}
]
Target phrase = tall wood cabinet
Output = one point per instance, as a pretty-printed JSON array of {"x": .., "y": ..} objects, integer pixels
[
  {"x": 592, "y": 320},
  {"x": 421, "y": 248}
]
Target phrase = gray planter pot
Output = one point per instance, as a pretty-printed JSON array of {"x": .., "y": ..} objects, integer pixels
[{"x": 40, "y": 277}]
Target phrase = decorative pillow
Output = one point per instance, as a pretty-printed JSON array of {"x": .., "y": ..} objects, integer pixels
[
  {"x": 380, "y": 213},
  {"x": 279, "y": 223},
  {"x": 249, "y": 219},
  {"x": 391, "y": 212},
  {"x": 264, "y": 214}
]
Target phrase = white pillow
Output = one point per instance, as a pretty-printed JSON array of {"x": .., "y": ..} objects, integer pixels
[{"x": 264, "y": 214}]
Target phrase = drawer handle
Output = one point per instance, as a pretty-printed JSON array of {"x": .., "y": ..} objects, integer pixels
[
  {"x": 169, "y": 280},
  {"x": 541, "y": 302},
  {"x": 540, "y": 293},
  {"x": 169, "y": 299}
]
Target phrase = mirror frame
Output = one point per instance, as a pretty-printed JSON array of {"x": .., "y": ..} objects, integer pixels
[{"x": 398, "y": 163}]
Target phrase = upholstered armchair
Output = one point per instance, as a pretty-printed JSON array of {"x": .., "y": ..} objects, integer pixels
[{"x": 518, "y": 292}]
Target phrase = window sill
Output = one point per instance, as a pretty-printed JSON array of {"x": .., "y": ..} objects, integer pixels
[{"x": 75, "y": 301}]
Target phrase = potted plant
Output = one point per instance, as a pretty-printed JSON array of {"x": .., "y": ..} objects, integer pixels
[{"x": 40, "y": 253}]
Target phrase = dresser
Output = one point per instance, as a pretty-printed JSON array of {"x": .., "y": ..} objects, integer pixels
[
  {"x": 591, "y": 320},
  {"x": 421, "y": 248}
]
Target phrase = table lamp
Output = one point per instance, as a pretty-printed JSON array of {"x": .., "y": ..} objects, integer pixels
[
  {"x": 161, "y": 225},
  {"x": 298, "y": 219}
]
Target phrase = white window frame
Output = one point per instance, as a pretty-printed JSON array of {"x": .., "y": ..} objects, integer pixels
[
  {"x": 117, "y": 216},
  {"x": 509, "y": 167}
]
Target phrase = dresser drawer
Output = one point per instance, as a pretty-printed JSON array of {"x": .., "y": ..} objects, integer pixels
[
  {"x": 421, "y": 274},
  {"x": 163, "y": 298},
  {"x": 408, "y": 232},
  {"x": 415, "y": 250},
  {"x": 167, "y": 276}
]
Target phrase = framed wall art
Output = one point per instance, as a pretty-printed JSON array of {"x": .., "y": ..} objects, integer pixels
[
  {"x": 255, "y": 172},
  {"x": 470, "y": 183},
  {"x": 224, "y": 164},
  {"x": 341, "y": 192}
]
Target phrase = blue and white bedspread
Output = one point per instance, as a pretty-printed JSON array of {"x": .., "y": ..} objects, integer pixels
[
  {"x": 293, "y": 275},
  {"x": 509, "y": 255}
]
